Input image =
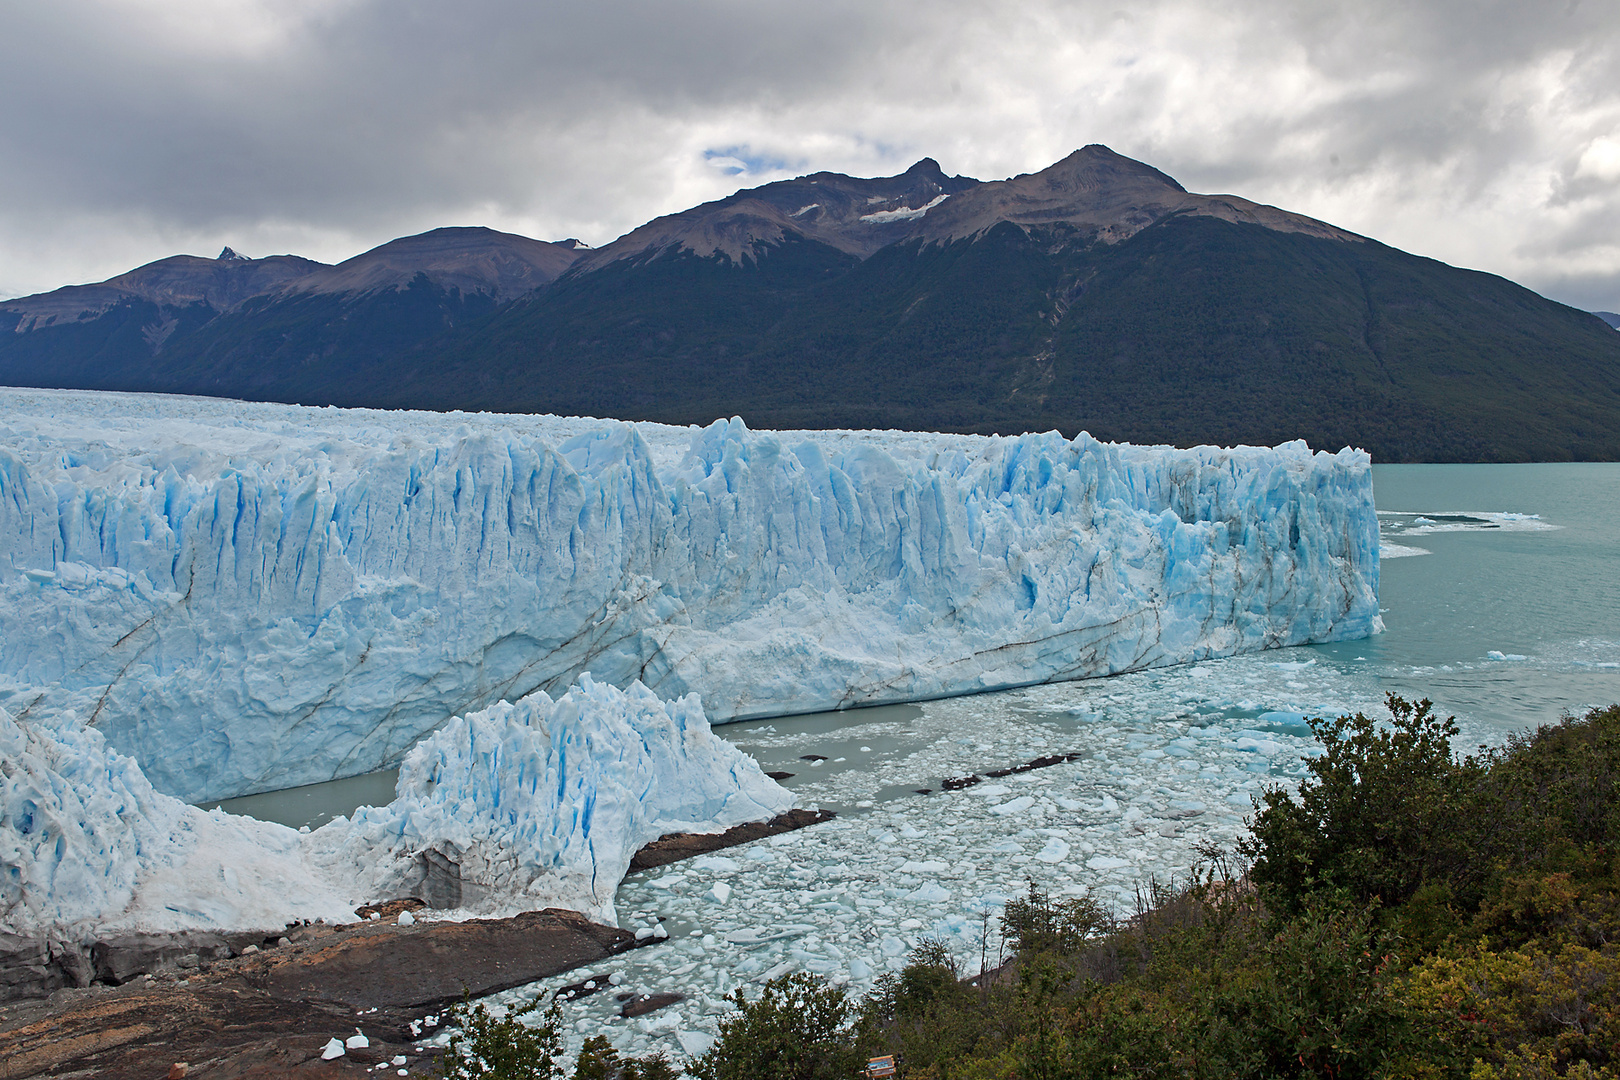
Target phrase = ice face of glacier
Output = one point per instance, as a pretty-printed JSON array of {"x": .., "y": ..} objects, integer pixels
[
  {"x": 246, "y": 597},
  {"x": 542, "y": 803},
  {"x": 87, "y": 845},
  {"x": 529, "y": 805}
]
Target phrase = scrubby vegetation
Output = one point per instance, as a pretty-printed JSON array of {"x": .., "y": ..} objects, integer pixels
[
  {"x": 1409, "y": 913},
  {"x": 491, "y": 1047}
]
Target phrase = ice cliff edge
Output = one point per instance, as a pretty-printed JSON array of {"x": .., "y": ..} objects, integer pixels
[
  {"x": 246, "y": 597},
  {"x": 517, "y": 807}
]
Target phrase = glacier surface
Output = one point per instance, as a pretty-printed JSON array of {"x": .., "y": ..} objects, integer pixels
[
  {"x": 248, "y": 597},
  {"x": 539, "y": 803}
]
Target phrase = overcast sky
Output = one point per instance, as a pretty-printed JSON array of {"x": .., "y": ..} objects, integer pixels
[{"x": 1486, "y": 134}]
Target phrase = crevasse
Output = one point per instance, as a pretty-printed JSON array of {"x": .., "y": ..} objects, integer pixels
[{"x": 247, "y": 597}]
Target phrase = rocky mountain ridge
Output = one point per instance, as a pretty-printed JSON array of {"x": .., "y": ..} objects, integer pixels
[
  {"x": 1095, "y": 294},
  {"x": 1093, "y": 189}
]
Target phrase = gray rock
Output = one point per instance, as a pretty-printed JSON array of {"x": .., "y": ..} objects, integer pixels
[
  {"x": 119, "y": 959},
  {"x": 38, "y": 966},
  {"x": 439, "y": 882}
]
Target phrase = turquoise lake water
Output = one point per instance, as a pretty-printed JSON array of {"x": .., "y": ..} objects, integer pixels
[{"x": 1542, "y": 593}]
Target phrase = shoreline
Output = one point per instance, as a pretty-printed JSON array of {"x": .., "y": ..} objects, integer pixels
[{"x": 268, "y": 1012}]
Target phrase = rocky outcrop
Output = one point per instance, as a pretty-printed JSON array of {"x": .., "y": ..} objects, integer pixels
[
  {"x": 429, "y": 964},
  {"x": 268, "y": 1011},
  {"x": 678, "y": 846},
  {"x": 35, "y": 966}
]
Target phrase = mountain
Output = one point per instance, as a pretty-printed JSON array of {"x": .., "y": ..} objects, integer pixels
[
  {"x": 239, "y": 326},
  {"x": 1096, "y": 294},
  {"x": 467, "y": 260},
  {"x": 1609, "y": 317},
  {"x": 848, "y": 214}
]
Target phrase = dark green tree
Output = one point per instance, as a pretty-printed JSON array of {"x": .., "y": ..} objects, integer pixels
[
  {"x": 488, "y": 1047},
  {"x": 798, "y": 1030}
]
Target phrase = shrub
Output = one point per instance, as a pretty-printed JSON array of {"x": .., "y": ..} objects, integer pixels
[
  {"x": 797, "y": 1030},
  {"x": 502, "y": 1048},
  {"x": 1531, "y": 1012},
  {"x": 1039, "y": 924},
  {"x": 1383, "y": 810},
  {"x": 925, "y": 1015},
  {"x": 599, "y": 1061},
  {"x": 1559, "y": 784}
]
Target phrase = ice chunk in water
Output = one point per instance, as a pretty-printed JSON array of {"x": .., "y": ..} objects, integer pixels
[{"x": 1055, "y": 851}]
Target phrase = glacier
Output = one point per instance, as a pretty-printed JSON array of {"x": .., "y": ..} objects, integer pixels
[
  {"x": 542, "y": 803},
  {"x": 248, "y": 597},
  {"x": 88, "y": 846},
  {"x": 534, "y": 804}
]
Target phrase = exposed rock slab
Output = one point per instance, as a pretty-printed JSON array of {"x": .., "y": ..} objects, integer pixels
[
  {"x": 677, "y": 846},
  {"x": 428, "y": 964},
  {"x": 221, "y": 1027},
  {"x": 269, "y": 1013}
]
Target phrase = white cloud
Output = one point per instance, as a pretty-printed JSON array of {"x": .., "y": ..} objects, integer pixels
[{"x": 1600, "y": 160}]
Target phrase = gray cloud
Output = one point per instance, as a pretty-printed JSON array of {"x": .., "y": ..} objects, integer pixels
[{"x": 1483, "y": 133}]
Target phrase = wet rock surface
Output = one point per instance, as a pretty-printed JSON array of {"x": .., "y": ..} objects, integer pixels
[
  {"x": 678, "y": 846},
  {"x": 389, "y": 910},
  {"x": 219, "y": 1026},
  {"x": 642, "y": 1004},
  {"x": 429, "y": 964}
]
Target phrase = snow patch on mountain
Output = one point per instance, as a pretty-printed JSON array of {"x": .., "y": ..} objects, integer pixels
[{"x": 905, "y": 213}]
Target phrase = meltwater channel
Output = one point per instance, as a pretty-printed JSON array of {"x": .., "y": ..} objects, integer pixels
[{"x": 1501, "y": 593}]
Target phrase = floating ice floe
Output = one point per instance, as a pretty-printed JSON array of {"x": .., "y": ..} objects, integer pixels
[
  {"x": 863, "y": 890},
  {"x": 250, "y": 597}
]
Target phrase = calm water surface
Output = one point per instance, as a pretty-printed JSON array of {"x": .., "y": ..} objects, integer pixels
[{"x": 1548, "y": 598}]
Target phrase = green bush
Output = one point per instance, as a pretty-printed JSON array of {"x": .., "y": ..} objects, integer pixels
[
  {"x": 799, "y": 1029},
  {"x": 599, "y": 1061},
  {"x": 1559, "y": 786},
  {"x": 924, "y": 1015},
  {"x": 1039, "y": 924},
  {"x": 1384, "y": 810},
  {"x": 487, "y": 1047}
]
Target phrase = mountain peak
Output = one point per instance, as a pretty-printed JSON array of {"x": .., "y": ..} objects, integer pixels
[
  {"x": 1095, "y": 165},
  {"x": 471, "y": 258},
  {"x": 231, "y": 255},
  {"x": 1104, "y": 194},
  {"x": 854, "y": 215}
]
